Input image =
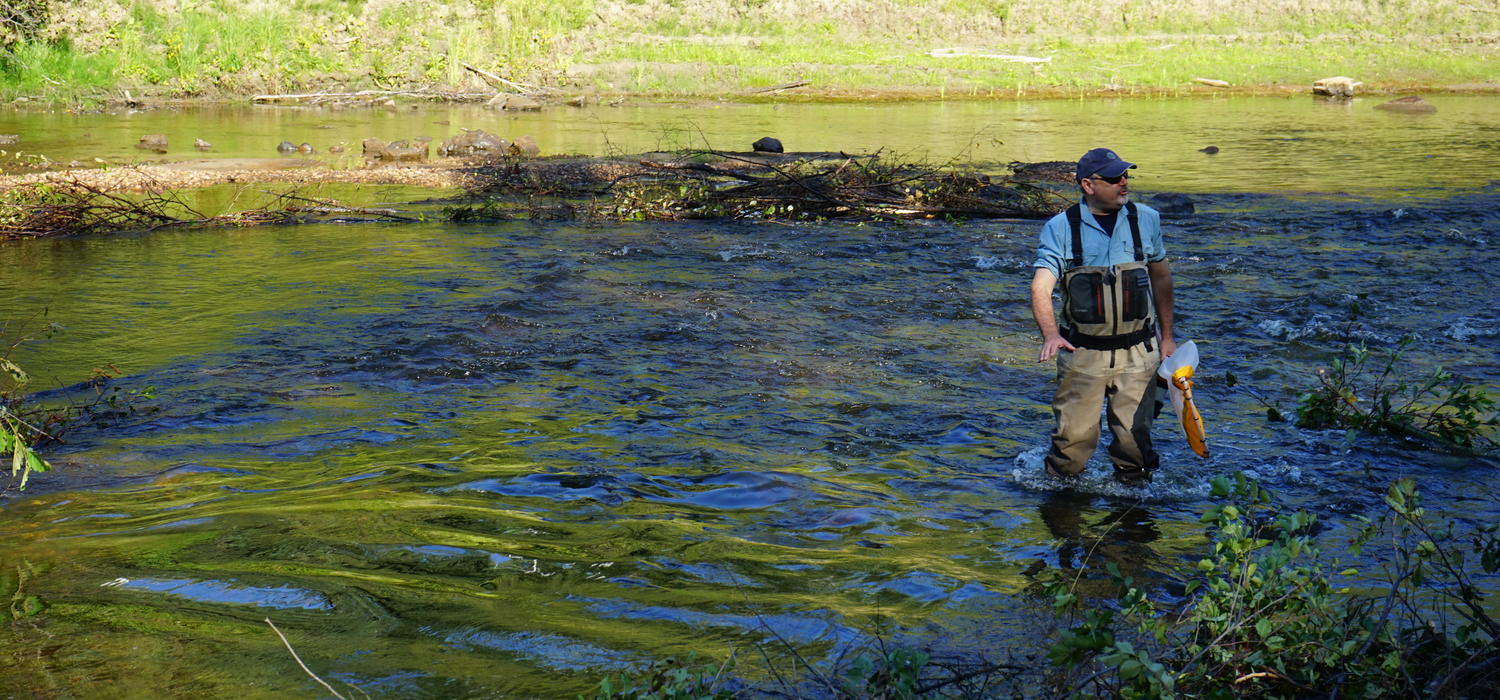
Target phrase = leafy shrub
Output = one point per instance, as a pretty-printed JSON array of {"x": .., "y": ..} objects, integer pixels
[
  {"x": 1362, "y": 391},
  {"x": 1268, "y": 617},
  {"x": 16, "y": 434}
]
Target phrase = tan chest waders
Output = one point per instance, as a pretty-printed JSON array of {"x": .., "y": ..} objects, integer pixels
[{"x": 1107, "y": 307}]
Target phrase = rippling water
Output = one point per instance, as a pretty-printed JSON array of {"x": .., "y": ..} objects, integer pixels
[{"x": 505, "y": 459}]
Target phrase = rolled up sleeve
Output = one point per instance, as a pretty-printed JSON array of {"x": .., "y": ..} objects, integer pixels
[{"x": 1049, "y": 253}]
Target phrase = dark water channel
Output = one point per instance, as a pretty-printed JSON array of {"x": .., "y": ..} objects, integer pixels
[{"x": 501, "y": 460}]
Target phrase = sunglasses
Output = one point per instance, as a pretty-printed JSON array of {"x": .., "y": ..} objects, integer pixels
[{"x": 1113, "y": 180}]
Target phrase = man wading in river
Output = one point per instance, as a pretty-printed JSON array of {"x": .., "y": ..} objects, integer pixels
[{"x": 1117, "y": 320}]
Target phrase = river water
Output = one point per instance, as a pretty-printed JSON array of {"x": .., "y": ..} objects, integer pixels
[{"x": 504, "y": 459}]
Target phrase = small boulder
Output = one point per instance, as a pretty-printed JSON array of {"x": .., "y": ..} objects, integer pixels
[
  {"x": 1209, "y": 150},
  {"x": 9, "y": 139},
  {"x": 286, "y": 147},
  {"x": 202, "y": 145},
  {"x": 1341, "y": 87},
  {"x": 306, "y": 147},
  {"x": 153, "y": 142},
  {"x": 474, "y": 142},
  {"x": 578, "y": 101},
  {"x": 525, "y": 147},
  {"x": 404, "y": 151},
  {"x": 373, "y": 149},
  {"x": 513, "y": 103},
  {"x": 767, "y": 145},
  {"x": 1411, "y": 104},
  {"x": 336, "y": 148}
]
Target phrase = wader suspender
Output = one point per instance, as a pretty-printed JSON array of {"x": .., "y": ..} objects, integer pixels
[
  {"x": 1115, "y": 342},
  {"x": 1075, "y": 221}
]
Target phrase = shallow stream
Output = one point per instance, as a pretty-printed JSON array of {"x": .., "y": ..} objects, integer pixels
[{"x": 502, "y": 460}]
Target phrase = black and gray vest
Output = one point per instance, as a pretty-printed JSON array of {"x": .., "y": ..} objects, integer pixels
[{"x": 1107, "y": 307}]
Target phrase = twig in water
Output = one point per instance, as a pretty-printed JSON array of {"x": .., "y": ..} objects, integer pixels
[
  {"x": 305, "y": 669},
  {"x": 329, "y": 206}
]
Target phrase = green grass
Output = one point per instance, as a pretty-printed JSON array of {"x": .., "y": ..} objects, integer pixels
[{"x": 713, "y": 47}]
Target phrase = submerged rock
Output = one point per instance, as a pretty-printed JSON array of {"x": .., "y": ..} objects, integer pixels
[
  {"x": 286, "y": 147},
  {"x": 153, "y": 142},
  {"x": 9, "y": 139},
  {"x": 514, "y": 103},
  {"x": 1411, "y": 104},
  {"x": 202, "y": 145},
  {"x": 1173, "y": 204},
  {"x": 1209, "y": 150}
]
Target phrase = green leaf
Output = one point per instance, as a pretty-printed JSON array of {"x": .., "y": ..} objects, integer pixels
[{"x": 31, "y": 606}]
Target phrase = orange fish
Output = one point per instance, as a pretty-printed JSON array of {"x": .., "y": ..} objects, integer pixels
[
  {"x": 1192, "y": 421},
  {"x": 1178, "y": 369}
]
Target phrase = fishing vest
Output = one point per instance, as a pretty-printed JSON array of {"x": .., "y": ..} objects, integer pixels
[{"x": 1107, "y": 307}]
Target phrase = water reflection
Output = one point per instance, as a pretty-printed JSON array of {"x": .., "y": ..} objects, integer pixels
[{"x": 1118, "y": 534}]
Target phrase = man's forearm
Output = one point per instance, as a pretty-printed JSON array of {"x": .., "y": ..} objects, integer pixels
[{"x": 1041, "y": 302}]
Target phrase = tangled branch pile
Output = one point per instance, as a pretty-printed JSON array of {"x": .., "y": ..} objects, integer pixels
[
  {"x": 21, "y": 21},
  {"x": 72, "y": 206},
  {"x": 817, "y": 186}
]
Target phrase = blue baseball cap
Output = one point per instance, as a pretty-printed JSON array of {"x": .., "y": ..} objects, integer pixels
[{"x": 1103, "y": 162}]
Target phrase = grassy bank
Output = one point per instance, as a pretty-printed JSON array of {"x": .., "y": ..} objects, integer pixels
[{"x": 68, "y": 49}]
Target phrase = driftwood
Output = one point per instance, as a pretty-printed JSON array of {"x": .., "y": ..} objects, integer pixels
[
  {"x": 964, "y": 53},
  {"x": 500, "y": 84},
  {"x": 778, "y": 88}
]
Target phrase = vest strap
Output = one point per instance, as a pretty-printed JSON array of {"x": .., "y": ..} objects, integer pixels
[{"x": 1075, "y": 222}]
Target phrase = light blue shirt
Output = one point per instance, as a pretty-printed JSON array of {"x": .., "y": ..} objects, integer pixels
[{"x": 1056, "y": 250}]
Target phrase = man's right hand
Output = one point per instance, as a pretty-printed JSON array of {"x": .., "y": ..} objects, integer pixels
[{"x": 1051, "y": 344}]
